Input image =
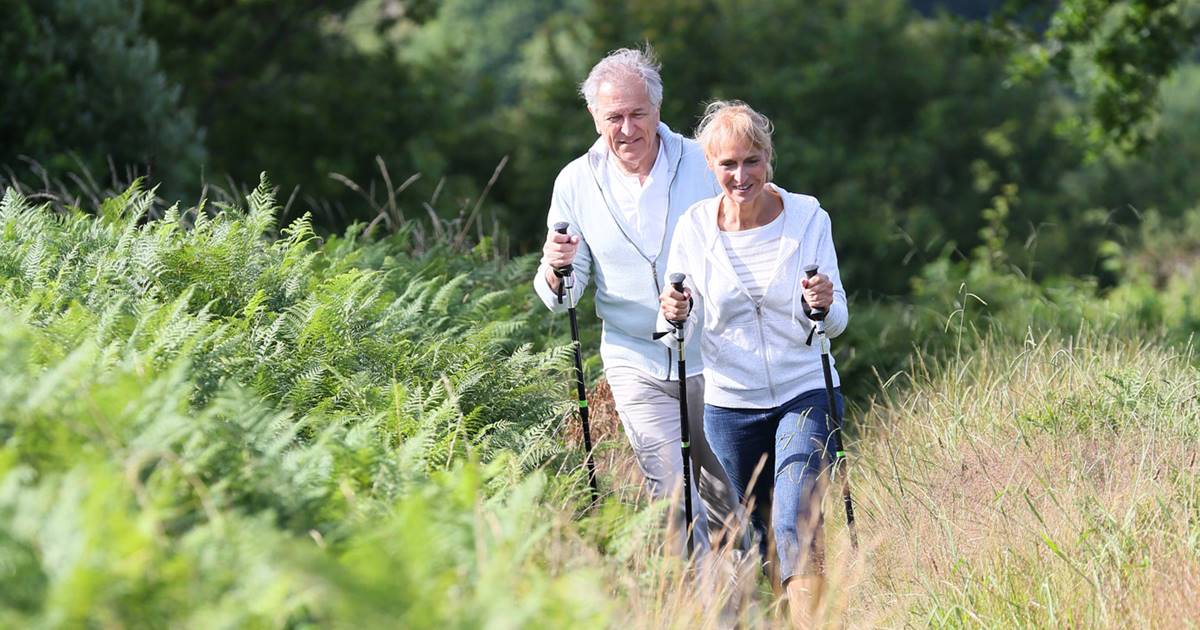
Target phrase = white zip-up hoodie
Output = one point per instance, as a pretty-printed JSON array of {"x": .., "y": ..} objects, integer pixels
[
  {"x": 628, "y": 280},
  {"x": 756, "y": 355}
]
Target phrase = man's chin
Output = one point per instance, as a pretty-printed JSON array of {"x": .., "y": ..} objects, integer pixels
[{"x": 631, "y": 157}]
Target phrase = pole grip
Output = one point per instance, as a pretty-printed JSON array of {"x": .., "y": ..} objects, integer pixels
[
  {"x": 676, "y": 280},
  {"x": 815, "y": 314},
  {"x": 561, "y": 228}
]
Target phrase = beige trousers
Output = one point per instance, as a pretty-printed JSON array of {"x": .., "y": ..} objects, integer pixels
[{"x": 649, "y": 412}]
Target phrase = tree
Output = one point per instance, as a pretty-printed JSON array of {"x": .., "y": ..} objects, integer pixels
[
  {"x": 281, "y": 87},
  {"x": 902, "y": 126},
  {"x": 1115, "y": 53},
  {"x": 81, "y": 78}
]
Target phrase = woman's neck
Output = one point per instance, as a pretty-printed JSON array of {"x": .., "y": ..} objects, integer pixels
[{"x": 764, "y": 208}]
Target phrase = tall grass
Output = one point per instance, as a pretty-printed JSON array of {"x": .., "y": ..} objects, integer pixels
[{"x": 1048, "y": 483}]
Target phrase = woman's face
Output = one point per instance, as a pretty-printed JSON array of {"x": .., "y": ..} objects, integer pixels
[{"x": 741, "y": 170}]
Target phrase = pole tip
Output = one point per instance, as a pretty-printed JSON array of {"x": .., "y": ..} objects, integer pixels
[
  {"x": 810, "y": 270},
  {"x": 561, "y": 227}
]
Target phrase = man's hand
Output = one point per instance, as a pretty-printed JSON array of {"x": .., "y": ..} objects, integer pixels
[
  {"x": 818, "y": 291},
  {"x": 558, "y": 252},
  {"x": 675, "y": 305}
]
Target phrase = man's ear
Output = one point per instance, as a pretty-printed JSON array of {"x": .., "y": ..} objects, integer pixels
[{"x": 595, "y": 123}]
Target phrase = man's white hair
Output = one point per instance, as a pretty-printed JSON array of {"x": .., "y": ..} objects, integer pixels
[{"x": 624, "y": 63}]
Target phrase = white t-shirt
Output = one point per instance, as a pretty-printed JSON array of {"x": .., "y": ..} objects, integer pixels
[
  {"x": 754, "y": 254},
  {"x": 643, "y": 205}
]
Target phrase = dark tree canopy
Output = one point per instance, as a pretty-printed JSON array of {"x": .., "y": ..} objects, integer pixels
[
  {"x": 927, "y": 128},
  {"x": 82, "y": 85}
]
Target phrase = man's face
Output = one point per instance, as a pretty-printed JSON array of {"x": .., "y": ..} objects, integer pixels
[{"x": 628, "y": 122}]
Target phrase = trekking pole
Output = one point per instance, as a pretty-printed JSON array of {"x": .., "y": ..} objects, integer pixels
[
  {"x": 566, "y": 282},
  {"x": 835, "y": 431},
  {"x": 685, "y": 441}
]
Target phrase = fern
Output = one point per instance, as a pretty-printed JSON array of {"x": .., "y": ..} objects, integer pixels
[{"x": 189, "y": 404}]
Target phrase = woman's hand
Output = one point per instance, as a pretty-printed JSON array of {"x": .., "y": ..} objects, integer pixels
[
  {"x": 818, "y": 291},
  {"x": 675, "y": 305}
]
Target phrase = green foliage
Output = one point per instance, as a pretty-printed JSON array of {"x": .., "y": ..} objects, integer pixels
[
  {"x": 910, "y": 129},
  {"x": 203, "y": 424},
  {"x": 82, "y": 85},
  {"x": 288, "y": 76},
  {"x": 1160, "y": 177},
  {"x": 899, "y": 124},
  {"x": 1160, "y": 279},
  {"x": 1116, "y": 54},
  {"x": 956, "y": 305}
]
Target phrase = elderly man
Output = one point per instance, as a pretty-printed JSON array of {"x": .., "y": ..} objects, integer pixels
[{"x": 622, "y": 200}]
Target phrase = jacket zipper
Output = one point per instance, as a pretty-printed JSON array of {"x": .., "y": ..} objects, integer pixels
[
  {"x": 762, "y": 343},
  {"x": 658, "y": 290},
  {"x": 621, "y": 229}
]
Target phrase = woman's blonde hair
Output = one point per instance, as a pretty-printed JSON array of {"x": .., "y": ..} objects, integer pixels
[{"x": 735, "y": 121}]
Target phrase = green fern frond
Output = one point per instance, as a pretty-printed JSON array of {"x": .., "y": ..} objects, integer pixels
[
  {"x": 12, "y": 204},
  {"x": 449, "y": 292},
  {"x": 263, "y": 207}
]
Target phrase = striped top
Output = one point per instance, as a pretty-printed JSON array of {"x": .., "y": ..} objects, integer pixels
[{"x": 754, "y": 254}]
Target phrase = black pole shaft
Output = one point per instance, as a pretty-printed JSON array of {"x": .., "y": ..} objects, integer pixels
[
  {"x": 685, "y": 448},
  {"x": 580, "y": 390},
  {"x": 835, "y": 417},
  {"x": 685, "y": 437},
  {"x": 835, "y": 436},
  {"x": 581, "y": 398}
]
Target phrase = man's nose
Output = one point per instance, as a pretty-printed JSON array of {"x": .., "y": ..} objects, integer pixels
[{"x": 627, "y": 126}]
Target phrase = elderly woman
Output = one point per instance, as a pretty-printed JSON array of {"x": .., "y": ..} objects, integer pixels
[{"x": 765, "y": 412}]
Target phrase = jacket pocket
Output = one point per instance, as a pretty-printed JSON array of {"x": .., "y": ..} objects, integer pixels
[
  {"x": 788, "y": 355},
  {"x": 737, "y": 363}
]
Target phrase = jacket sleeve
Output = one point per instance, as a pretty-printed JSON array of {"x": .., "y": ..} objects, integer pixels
[
  {"x": 561, "y": 209},
  {"x": 839, "y": 312},
  {"x": 678, "y": 261}
]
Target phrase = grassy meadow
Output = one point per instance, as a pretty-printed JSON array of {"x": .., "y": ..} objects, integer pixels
[{"x": 210, "y": 420}]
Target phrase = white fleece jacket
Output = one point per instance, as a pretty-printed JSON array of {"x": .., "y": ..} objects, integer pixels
[
  {"x": 628, "y": 280},
  {"x": 756, "y": 355}
]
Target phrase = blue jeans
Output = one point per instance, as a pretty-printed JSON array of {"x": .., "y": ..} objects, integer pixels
[{"x": 794, "y": 439}]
